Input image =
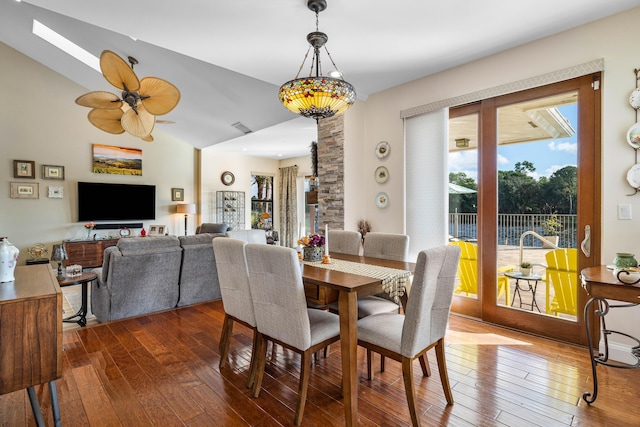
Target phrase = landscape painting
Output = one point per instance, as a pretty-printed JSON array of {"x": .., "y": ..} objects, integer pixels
[{"x": 117, "y": 160}]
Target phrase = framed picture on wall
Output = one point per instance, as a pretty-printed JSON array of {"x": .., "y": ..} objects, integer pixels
[
  {"x": 20, "y": 190},
  {"x": 52, "y": 172},
  {"x": 24, "y": 169},
  {"x": 177, "y": 194}
]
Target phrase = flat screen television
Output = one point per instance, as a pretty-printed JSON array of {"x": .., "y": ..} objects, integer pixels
[{"x": 115, "y": 202}]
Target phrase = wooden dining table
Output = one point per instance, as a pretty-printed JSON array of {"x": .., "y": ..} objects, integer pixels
[{"x": 350, "y": 287}]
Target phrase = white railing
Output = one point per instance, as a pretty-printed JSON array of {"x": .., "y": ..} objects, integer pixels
[{"x": 511, "y": 227}]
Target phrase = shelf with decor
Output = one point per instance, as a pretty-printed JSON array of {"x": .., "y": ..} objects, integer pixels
[
  {"x": 633, "y": 137},
  {"x": 230, "y": 208}
]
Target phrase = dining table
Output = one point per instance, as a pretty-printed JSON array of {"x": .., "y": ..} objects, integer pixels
[{"x": 351, "y": 286}]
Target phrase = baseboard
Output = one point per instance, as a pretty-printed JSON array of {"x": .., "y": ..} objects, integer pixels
[
  {"x": 117, "y": 225},
  {"x": 619, "y": 352}
]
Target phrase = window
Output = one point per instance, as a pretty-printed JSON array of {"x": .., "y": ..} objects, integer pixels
[{"x": 262, "y": 202}]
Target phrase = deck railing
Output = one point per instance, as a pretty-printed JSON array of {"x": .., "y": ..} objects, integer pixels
[{"x": 463, "y": 226}]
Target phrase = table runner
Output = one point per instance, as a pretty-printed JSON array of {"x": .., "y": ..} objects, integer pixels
[{"x": 394, "y": 281}]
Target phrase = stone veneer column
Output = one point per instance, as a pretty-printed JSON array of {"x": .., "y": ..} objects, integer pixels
[{"x": 331, "y": 172}]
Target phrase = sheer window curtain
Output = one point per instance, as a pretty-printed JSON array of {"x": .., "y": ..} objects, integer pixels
[
  {"x": 427, "y": 201},
  {"x": 288, "y": 198}
]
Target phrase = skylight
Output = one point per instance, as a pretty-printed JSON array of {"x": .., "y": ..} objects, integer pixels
[{"x": 66, "y": 45}]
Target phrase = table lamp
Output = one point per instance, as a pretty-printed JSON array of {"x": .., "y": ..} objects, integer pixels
[
  {"x": 59, "y": 254},
  {"x": 186, "y": 209}
]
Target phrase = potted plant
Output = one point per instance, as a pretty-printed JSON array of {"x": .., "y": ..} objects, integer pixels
[
  {"x": 525, "y": 268},
  {"x": 551, "y": 227}
]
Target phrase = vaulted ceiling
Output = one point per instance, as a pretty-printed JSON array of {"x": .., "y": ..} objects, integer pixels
[{"x": 228, "y": 58}]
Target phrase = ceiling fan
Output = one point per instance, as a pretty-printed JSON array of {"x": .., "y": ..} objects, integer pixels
[{"x": 142, "y": 100}]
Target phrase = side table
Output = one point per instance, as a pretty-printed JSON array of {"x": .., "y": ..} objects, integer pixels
[
  {"x": 600, "y": 285},
  {"x": 535, "y": 278},
  {"x": 80, "y": 317}
]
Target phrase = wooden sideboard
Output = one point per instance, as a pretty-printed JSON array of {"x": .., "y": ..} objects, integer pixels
[
  {"x": 31, "y": 334},
  {"x": 87, "y": 253}
]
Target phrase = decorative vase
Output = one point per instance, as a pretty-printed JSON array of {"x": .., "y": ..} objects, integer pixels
[
  {"x": 625, "y": 260},
  {"x": 312, "y": 253},
  {"x": 525, "y": 272},
  {"x": 8, "y": 261}
]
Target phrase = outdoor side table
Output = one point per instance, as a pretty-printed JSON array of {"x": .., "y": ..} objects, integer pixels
[{"x": 531, "y": 286}]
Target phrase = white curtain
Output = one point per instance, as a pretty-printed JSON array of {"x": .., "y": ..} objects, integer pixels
[
  {"x": 288, "y": 198},
  {"x": 426, "y": 161}
]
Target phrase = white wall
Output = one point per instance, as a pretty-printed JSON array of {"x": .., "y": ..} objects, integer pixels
[
  {"x": 40, "y": 121},
  {"x": 602, "y": 39}
]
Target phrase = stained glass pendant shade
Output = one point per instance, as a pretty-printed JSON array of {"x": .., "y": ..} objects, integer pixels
[{"x": 318, "y": 96}]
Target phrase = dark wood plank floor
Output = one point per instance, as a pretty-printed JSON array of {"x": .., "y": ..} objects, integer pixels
[{"x": 162, "y": 369}]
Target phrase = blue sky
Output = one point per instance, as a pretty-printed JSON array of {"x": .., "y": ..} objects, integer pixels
[{"x": 547, "y": 156}]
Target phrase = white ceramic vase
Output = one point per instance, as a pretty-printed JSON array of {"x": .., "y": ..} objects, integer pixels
[{"x": 8, "y": 261}]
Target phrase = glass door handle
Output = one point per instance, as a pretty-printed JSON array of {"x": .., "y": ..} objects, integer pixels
[{"x": 586, "y": 243}]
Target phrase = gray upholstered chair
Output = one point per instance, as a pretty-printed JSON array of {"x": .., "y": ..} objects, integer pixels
[
  {"x": 249, "y": 236},
  {"x": 407, "y": 337},
  {"x": 386, "y": 246},
  {"x": 281, "y": 312},
  {"x": 236, "y": 296},
  {"x": 198, "y": 273},
  {"x": 139, "y": 275},
  {"x": 345, "y": 242}
]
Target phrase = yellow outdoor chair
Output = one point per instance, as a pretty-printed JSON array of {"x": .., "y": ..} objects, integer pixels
[
  {"x": 468, "y": 272},
  {"x": 562, "y": 273}
]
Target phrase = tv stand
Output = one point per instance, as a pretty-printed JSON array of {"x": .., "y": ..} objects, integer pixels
[{"x": 87, "y": 253}]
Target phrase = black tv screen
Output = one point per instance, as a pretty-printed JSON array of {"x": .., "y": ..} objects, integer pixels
[{"x": 115, "y": 202}]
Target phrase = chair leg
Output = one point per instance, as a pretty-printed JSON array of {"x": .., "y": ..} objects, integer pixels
[
  {"x": 381, "y": 363},
  {"x": 424, "y": 364},
  {"x": 444, "y": 375},
  {"x": 225, "y": 339},
  {"x": 369, "y": 362},
  {"x": 252, "y": 363},
  {"x": 261, "y": 358},
  {"x": 305, "y": 369},
  {"x": 407, "y": 375}
]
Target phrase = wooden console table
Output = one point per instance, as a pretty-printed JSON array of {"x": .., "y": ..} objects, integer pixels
[
  {"x": 600, "y": 284},
  {"x": 31, "y": 335},
  {"x": 87, "y": 253}
]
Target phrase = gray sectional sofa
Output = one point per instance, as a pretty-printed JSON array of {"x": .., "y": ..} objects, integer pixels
[{"x": 145, "y": 274}]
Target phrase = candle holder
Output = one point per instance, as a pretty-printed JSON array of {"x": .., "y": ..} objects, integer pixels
[{"x": 326, "y": 259}]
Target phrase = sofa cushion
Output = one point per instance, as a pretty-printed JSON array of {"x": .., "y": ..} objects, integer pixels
[
  {"x": 209, "y": 227},
  {"x": 198, "y": 272}
]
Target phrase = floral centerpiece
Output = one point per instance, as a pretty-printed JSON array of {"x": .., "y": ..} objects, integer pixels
[
  {"x": 89, "y": 226},
  {"x": 312, "y": 247}
]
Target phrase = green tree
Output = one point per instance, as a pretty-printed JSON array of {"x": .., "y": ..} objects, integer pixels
[
  {"x": 561, "y": 191},
  {"x": 464, "y": 203}
]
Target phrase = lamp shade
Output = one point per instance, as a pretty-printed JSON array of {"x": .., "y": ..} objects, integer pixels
[
  {"x": 59, "y": 253},
  {"x": 186, "y": 208},
  {"x": 317, "y": 97}
]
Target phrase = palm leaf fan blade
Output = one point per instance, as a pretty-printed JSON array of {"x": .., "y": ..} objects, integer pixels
[
  {"x": 162, "y": 95},
  {"x": 106, "y": 120},
  {"x": 139, "y": 125},
  {"x": 147, "y": 138},
  {"x": 99, "y": 99},
  {"x": 117, "y": 72}
]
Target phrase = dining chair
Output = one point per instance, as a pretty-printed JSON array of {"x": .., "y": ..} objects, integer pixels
[
  {"x": 562, "y": 274},
  {"x": 282, "y": 315},
  {"x": 345, "y": 241},
  {"x": 407, "y": 337},
  {"x": 236, "y": 296}
]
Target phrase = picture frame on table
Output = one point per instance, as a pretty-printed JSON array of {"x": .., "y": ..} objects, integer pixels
[
  {"x": 52, "y": 172},
  {"x": 24, "y": 169},
  {"x": 157, "y": 230},
  {"x": 21, "y": 190},
  {"x": 177, "y": 194}
]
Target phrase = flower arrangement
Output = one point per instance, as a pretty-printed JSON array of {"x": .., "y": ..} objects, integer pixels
[
  {"x": 89, "y": 226},
  {"x": 312, "y": 240}
]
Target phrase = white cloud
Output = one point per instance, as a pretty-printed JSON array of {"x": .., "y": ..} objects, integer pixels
[
  {"x": 464, "y": 161},
  {"x": 568, "y": 147}
]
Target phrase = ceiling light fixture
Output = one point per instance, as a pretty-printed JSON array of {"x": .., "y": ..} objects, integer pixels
[
  {"x": 317, "y": 97},
  {"x": 462, "y": 142}
]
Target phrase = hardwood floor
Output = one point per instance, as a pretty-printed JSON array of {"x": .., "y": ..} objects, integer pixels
[{"x": 162, "y": 369}]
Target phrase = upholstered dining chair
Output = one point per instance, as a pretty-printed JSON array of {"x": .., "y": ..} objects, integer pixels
[
  {"x": 345, "y": 241},
  {"x": 407, "y": 337},
  {"x": 236, "y": 296},
  {"x": 282, "y": 315},
  {"x": 386, "y": 246}
]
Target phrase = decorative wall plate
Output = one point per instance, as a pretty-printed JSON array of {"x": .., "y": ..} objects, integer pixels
[
  {"x": 382, "y": 149},
  {"x": 633, "y": 135},
  {"x": 382, "y": 200},
  {"x": 382, "y": 175},
  {"x": 633, "y": 176},
  {"x": 634, "y": 99}
]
